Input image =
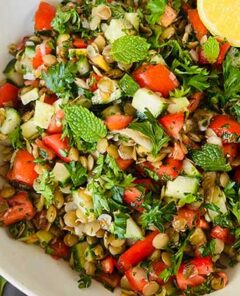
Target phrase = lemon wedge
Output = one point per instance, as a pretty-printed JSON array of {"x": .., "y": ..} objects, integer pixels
[{"x": 222, "y": 18}]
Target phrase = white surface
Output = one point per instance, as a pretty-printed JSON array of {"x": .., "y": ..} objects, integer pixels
[{"x": 27, "y": 267}]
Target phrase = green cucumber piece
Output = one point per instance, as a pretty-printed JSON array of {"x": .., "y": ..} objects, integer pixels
[
  {"x": 189, "y": 169},
  {"x": 11, "y": 122},
  {"x": 29, "y": 129},
  {"x": 181, "y": 186},
  {"x": 29, "y": 96},
  {"x": 43, "y": 114},
  {"x": 61, "y": 173},
  {"x": 12, "y": 75},
  {"x": 78, "y": 255},
  {"x": 133, "y": 231}
]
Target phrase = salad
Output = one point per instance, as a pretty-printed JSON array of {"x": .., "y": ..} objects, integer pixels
[{"x": 119, "y": 138}]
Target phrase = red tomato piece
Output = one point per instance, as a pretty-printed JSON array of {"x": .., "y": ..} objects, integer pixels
[
  {"x": 147, "y": 183},
  {"x": 93, "y": 84},
  {"x": 137, "y": 252},
  {"x": 224, "y": 48},
  {"x": 60, "y": 250},
  {"x": 41, "y": 50},
  {"x": 226, "y": 127},
  {"x": 134, "y": 197},
  {"x": 58, "y": 145},
  {"x": 55, "y": 126},
  {"x": 157, "y": 268},
  {"x": 79, "y": 43},
  {"x": 111, "y": 280},
  {"x": 137, "y": 278},
  {"x": 172, "y": 123},
  {"x": 231, "y": 150},
  {"x": 118, "y": 121},
  {"x": 236, "y": 176},
  {"x": 23, "y": 169},
  {"x": 198, "y": 26},
  {"x": 50, "y": 99},
  {"x": 222, "y": 234},
  {"x": 44, "y": 16},
  {"x": 8, "y": 95},
  {"x": 202, "y": 223},
  {"x": 170, "y": 169},
  {"x": 48, "y": 153},
  {"x": 124, "y": 163},
  {"x": 108, "y": 264},
  {"x": 190, "y": 216},
  {"x": 157, "y": 78},
  {"x": 20, "y": 208}
]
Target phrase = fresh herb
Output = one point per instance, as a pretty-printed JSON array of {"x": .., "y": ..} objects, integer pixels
[
  {"x": 45, "y": 185},
  {"x": 151, "y": 174},
  {"x": 119, "y": 225},
  {"x": 84, "y": 280},
  {"x": 59, "y": 79},
  {"x": 203, "y": 289},
  {"x": 151, "y": 129},
  {"x": 77, "y": 172},
  {"x": 232, "y": 193},
  {"x": 209, "y": 249},
  {"x": 212, "y": 207},
  {"x": 156, "y": 214},
  {"x": 211, "y": 158},
  {"x": 67, "y": 20},
  {"x": 235, "y": 110},
  {"x": 188, "y": 199},
  {"x": 2, "y": 285},
  {"x": 237, "y": 239},
  {"x": 16, "y": 138},
  {"x": 128, "y": 85},
  {"x": 129, "y": 49},
  {"x": 156, "y": 10},
  {"x": 223, "y": 220},
  {"x": 211, "y": 50},
  {"x": 84, "y": 124}
]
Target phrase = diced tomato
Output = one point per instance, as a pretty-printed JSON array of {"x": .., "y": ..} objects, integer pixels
[
  {"x": 134, "y": 197},
  {"x": 60, "y": 250},
  {"x": 55, "y": 126},
  {"x": 173, "y": 123},
  {"x": 124, "y": 163},
  {"x": 236, "y": 176},
  {"x": 23, "y": 169},
  {"x": 46, "y": 152},
  {"x": 93, "y": 84},
  {"x": 108, "y": 264},
  {"x": 198, "y": 26},
  {"x": 178, "y": 151},
  {"x": 8, "y": 95},
  {"x": 202, "y": 223},
  {"x": 157, "y": 268},
  {"x": 137, "y": 252},
  {"x": 157, "y": 78},
  {"x": 20, "y": 208},
  {"x": 137, "y": 278},
  {"x": 195, "y": 101},
  {"x": 222, "y": 234},
  {"x": 50, "y": 99},
  {"x": 80, "y": 43},
  {"x": 58, "y": 145},
  {"x": 224, "y": 48},
  {"x": 231, "y": 150},
  {"x": 226, "y": 127},
  {"x": 147, "y": 183},
  {"x": 41, "y": 50},
  {"x": 110, "y": 280},
  {"x": 190, "y": 216},
  {"x": 192, "y": 274},
  {"x": 170, "y": 169},
  {"x": 44, "y": 16},
  {"x": 118, "y": 121}
]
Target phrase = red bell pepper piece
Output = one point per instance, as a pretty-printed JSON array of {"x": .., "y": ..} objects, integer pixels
[
  {"x": 198, "y": 26},
  {"x": 80, "y": 43},
  {"x": 8, "y": 95},
  {"x": 172, "y": 123},
  {"x": 108, "y": 264},
  {"x": 55, "y": 126},
  {"x": 44, "y": 16},
  {"x": 20, "y": 208},
  {"x": 58, "y": 145},
  {"x": 226, "y": 127},
  {"x": 157, "y": 78},
  {"x": 118, "y": 121},
  {"x": 137, "y": 252},
  {"x": 224, "y": 48},
  {"x": 23, "y": 169},
  {"x": 222, "y": 234},
  {"x": 124, "y": 163}
]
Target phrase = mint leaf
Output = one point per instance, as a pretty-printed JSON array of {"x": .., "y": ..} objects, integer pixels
[
  {"x": 153, "y": 131},
  {"x": 211, "y": 158},
  {"x": 129, "y": 49},
  {"x": 211, "y": 50},
  {"x": 128, "y": 85},
  {"x": 84, "y": 124},
  {"x": 156, "y": 9}
]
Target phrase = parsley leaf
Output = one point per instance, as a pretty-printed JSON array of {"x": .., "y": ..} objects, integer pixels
[
  {"x": 16, "y": 138},
  {"x": 156, "y": 9},
  {"x": 153, "y": 131},
  {"x": 128, "y": 85},
  {"x": 84, "y": 124},
  {"x": 188, "y": 199},
  {"x": 2, "y": 285},
  {"x": 211, "y": 158},
  {"x": 77, "y": 172},
  {"x": 129, "y": 49},
  {"x": 119, "y": 225},
  {"x": 235, "y": 110},
  {"x": 60, "y": 78},
  {"x": 45, "y": 185},
  {"x": 84, "y": 280},
  {"x": 211, "y": 50},
  {"x": 67, "y": 20}
]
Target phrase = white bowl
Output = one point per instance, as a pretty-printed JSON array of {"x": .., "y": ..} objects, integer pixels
[{"x": 25, "y": 266}]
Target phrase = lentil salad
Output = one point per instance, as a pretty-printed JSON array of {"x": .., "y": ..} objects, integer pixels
[{"x": 119, "y": 130}]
